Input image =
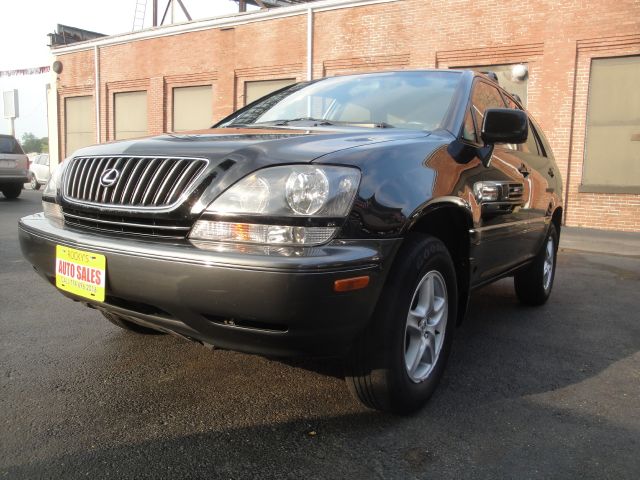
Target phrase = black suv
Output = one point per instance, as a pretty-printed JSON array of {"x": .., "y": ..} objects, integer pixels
[{"x": 348, "y": 216}]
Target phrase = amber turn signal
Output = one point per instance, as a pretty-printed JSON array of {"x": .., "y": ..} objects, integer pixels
[{"x": 348, "y": 284}]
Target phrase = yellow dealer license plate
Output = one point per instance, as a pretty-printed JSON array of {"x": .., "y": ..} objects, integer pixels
[{"x": 81, "y": 273}]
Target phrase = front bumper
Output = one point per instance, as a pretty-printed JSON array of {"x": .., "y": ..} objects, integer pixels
[{"x": 253, "y": 299}]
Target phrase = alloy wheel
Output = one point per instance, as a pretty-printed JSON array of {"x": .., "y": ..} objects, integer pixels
[{"x": 426, "y": 326}]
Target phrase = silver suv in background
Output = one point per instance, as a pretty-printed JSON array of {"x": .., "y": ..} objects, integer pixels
[
  {"x": 14, "y": 167},
  {"x": 39, "y": 171}
]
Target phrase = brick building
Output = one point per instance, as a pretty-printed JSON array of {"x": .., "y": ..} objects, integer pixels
[{"x": 582, "y": 60}]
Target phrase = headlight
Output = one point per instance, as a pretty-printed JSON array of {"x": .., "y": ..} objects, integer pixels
[
  {"x": 289, "y": 196},
  {"x": 53, "y": 185},
  {"x": 53, "y": 212}
]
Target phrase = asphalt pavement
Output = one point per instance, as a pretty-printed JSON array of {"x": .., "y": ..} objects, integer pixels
[{"x": 547, "y": 392}]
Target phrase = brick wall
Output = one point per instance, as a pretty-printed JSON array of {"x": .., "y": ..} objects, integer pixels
[{"x": 556, "y": 39}]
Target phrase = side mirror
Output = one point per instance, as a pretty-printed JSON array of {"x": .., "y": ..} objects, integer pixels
[{"x": 504, "y": 125}]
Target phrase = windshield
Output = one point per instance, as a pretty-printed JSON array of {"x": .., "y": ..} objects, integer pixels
[
  {"x": 9, "y": 145},
  {"x": 414, "y": 100}
]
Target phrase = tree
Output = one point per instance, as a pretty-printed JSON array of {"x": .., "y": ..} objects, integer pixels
[{"x": 31, "y": 144}]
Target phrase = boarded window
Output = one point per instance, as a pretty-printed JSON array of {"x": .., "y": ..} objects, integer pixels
[
  {"x": 79, "y": 123},
  {"x": 612, "y": 149},
  {"x": 130, "y": 109},
  {"x": 255, "y": 90},
  {"x": 192, "y": 108}
]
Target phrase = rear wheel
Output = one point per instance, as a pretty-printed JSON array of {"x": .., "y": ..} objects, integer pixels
[
  {"x": 34, "y": 183},
  {"x": 398, "y": 361},
  {"x": 533, "y": 284},
  {"x": 127, "y": 325},
  {"x": 12, "y": 191}
]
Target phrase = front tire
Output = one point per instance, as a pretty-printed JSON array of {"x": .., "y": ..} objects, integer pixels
[
  {"x": 533, "y": 284},
  {"x": 12, "y": 191},
  {"x": 130, "y": 326},
  {"x": 398, "y": 361}
]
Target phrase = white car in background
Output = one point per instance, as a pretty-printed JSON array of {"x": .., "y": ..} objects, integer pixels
[
  {"x": 39, "y": 171},
  {"x": 14, "y": 167}
]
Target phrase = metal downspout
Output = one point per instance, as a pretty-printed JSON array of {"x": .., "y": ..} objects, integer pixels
[{"x": 96, "y": 53}]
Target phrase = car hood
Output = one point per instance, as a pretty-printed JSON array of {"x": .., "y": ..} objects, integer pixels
[
  {"x": 235, "y": 152},
  {"x": 272, "y": 145}
]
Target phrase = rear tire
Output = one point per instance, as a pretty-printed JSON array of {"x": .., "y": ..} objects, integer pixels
[
  {"x": 130, "y": 326},
  {"x": 12, "y": 191},
  {"x": 34, "y": 183},
  {"x": 533, "y": 284},
  {"x": 399, "y": 359}
]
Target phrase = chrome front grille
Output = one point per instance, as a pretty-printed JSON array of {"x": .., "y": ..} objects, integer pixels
[{"x": 138, "y": 182}]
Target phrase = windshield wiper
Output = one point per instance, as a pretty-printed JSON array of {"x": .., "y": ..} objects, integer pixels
[{"x": 318, "y": 121}]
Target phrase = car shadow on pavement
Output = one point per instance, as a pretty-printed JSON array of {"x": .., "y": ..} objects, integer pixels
[
  {"x": 527, "y": 393},
  {"x": 519, "y": 441}
]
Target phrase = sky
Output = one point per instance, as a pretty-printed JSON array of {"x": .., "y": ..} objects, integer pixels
[{"x": 24, "y": 25}]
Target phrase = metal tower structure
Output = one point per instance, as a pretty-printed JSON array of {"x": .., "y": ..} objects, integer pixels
[
  {"x": 242, "y": 4},
  {"x": 139, "y": 14}
]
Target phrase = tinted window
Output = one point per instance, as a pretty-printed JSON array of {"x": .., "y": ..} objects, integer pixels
[
  {"x": 530, "y": 146},
  {"x": 414, "y": 100},
  {"x": 10, "y": 145},
  {"x": 484, "y": 96}
]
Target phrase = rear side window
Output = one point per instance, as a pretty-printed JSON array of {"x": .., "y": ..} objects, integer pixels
[{"x": 10, "y": 145}]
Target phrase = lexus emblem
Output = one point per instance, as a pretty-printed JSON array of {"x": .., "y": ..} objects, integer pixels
[{"x": 109, "y": 177}]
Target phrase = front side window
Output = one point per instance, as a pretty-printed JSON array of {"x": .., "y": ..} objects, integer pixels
[
  {"x": 513, "y": 78},
  {"x": 530, "y": 146},
  {"x": 412, "y": 100},
  {"x": 484, "y": 96}
]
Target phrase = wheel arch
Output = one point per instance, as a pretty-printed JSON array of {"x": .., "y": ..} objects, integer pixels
[
  {"x": 556, "y": 219},
  {"x": 449, "y": 219}
]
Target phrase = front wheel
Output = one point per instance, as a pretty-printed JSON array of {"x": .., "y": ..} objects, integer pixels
[
  {"x": 533, "y": 284},
  {"x": 398, "y": 361}
]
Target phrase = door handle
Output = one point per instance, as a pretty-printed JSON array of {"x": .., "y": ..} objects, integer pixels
[{"x": 551, "y": 172}]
